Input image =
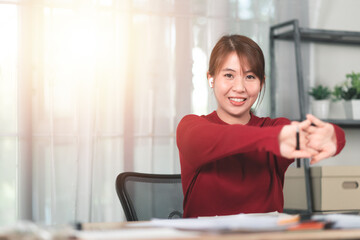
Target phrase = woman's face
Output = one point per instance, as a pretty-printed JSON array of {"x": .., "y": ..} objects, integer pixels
[{"x": 236, "y": 89}]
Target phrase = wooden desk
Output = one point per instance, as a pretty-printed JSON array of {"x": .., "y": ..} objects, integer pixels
[{"x": 288, "y": 235}]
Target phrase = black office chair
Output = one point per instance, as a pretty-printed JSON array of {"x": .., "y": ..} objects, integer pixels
[{"x": 144, "y": 196}]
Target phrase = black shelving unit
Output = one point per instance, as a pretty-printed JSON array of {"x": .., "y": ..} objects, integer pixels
[{"x": 291, "y": 31}]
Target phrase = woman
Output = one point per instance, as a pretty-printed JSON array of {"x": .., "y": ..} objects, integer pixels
[{"x": 233, "y": 161}]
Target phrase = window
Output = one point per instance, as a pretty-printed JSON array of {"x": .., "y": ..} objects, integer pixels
[
  {"x": 8, "y": 115},
  {"x": 93, "y": 88}
]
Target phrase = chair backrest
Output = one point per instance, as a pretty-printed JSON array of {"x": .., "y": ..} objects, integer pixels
[{"x": 144, "y": 196}]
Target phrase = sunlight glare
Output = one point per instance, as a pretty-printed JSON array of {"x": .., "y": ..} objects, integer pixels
[
  {"x": 76, "y": 38},
  {"x": 200, "y": 92},
  {"x": 8, "y": 66}
]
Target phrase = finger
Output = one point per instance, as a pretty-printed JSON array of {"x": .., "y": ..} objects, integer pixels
[
  {"x": 295, "y": 123},
  {"x": 315, "y": 120},
  {"x": 317, "y": 158},
  {"x": 311, "y": 129},
  {"x": 305, "y": 124},
  {"x": 314, "y": 137},
  {"x": 300, "y": 154},
  {"x": 312, "y": 151},
  {"x": 303, "y": 140},
  {"x": 314, "y": 145},
  {"x": 306, "y": 145}
]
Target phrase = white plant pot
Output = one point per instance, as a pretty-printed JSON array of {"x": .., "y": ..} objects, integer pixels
[
  {"x": 352, "y": 109},
  {"x": 348, "y": 109},
  {"x": 337, "y": 110},
  {"x": 320, "y": 108},
  {"x": 355, "y": 104}
]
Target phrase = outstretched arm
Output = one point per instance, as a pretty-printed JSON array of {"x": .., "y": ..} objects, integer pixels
[{"x": 200, "y": 141}]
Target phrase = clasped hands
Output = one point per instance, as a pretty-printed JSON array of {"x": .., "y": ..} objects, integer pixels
[{"x": 317, "y": 139}]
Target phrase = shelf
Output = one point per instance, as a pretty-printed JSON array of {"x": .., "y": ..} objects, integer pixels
[
  {"x": 299, "y": 35},
  {"x": 291, "y": 31},
  {"x": 348, "y": 123},
  {"x": 344, "y": 123},
  {"x": 322, "y": 36}
]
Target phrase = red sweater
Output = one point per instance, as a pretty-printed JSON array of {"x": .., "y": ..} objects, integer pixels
[{"x": 229, "y": 169}]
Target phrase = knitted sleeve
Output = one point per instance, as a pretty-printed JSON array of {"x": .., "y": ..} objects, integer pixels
[{"x": 201, "y": 141}]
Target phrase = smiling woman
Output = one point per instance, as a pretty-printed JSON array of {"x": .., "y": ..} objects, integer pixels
[{"x": 243, "y": 157}]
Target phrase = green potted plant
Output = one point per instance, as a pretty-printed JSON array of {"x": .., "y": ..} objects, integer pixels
[
  {"x": 321, "y": 101},
  {"x": 349, "y": 91}
]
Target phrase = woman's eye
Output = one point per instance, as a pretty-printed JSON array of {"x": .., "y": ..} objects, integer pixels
[
  {"x": 250, "y": 77},
  {"x": 228, "y": 75}
]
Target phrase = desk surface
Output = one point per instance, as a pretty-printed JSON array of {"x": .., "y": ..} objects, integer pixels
[{"x": 303, "y": 235}]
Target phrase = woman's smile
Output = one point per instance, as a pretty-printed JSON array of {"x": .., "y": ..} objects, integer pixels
[{"x": 237, "y": 101}]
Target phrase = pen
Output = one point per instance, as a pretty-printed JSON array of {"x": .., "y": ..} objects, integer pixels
[{"x": 298, "y": 163}]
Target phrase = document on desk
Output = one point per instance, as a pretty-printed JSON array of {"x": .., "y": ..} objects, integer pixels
[
  {"x": 233, "y": 223},
  {"x": 340, "y": 221},
  {"x": 134, "y": 233}
]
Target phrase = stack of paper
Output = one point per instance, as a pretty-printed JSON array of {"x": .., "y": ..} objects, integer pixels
[
  {"x": 240, "y": 222},
  {"x": 340, "y": 221},
  {"x": 135, "y": 233}
]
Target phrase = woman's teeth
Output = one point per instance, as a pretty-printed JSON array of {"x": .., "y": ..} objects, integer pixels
[{"x": 237, "y": 99}]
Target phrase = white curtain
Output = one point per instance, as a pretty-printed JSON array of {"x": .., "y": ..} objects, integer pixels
[{"x": 93, "y": 88}]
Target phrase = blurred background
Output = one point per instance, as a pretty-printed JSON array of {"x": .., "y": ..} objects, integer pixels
[{"x": 91, "y": 88}]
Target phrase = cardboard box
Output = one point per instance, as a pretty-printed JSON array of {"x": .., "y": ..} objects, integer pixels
[{"x": 334, "y": 188}]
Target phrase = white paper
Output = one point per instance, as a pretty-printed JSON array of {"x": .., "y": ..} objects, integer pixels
[
  {"x": 134, "y": 233},
  {"x": 240, "y": 222},
  {"x": 343, "y": 221}
]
